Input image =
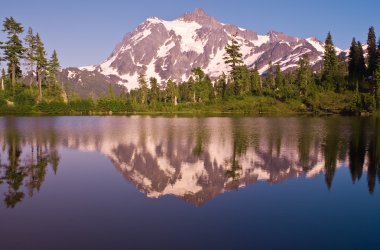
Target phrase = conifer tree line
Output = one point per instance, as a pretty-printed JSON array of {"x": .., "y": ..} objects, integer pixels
[
  {"x": 351, "y": 85},
  {"x": 357, "y": 78},
  {"x": 30, "y": 53}
]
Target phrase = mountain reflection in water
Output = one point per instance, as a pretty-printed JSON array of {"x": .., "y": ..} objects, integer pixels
[{"x": 192, "y": 158}]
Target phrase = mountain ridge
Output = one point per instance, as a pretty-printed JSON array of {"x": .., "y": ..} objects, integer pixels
[{"x": 170, "y": 49}]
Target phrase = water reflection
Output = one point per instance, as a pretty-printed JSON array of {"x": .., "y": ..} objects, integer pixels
[
  {"x": 192, "y": 158},
  {"x": 24, "y": 160}
]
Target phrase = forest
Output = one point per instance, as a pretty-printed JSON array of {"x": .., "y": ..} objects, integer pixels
[{"x": 341, "y": 86}]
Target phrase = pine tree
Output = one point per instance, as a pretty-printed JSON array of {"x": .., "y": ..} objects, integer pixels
[
  {"x": 13, "y": 49},
  {"x": 255, "y": 82},
  {"x": 171, "y": 92},
  {"x": 191, "y": 89},
  {"x": 279, "y": 78},
  {"x": 269, "y": 79},
  {"x": 154, "y": 90},
  {"x": 352, "y": 63},
  {"x": 234, "y": 59},
  {"x": 200, "y": 87},
  {"x": 371, "y": 42},
  {"x": 377, "y": 83},
  {"x": 330, "y": 64},
  {"x": 53, "y": 66},
  {"x": 360, "y": 64},
  {"x": 30, "y": 52},
  {"x": 41, "y": 64},
  {"x": 304, "y": 75},
  {"x": 220, "y": 86},
  {"x": 143, "y": 88}
]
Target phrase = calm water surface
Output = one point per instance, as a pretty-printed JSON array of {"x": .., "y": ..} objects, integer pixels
[{"x": 189, "y": 183}]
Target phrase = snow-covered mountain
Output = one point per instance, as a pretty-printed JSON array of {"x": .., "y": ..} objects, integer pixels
[{"x": 170, "y": 49}]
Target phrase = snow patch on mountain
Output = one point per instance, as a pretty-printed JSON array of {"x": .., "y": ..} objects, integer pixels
[{"x": 170, "y": 49}]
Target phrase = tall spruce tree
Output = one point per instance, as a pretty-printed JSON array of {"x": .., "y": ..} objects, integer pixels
[
  {"x": 304, "y": 75},
  {"x": 41, "y": 64},
  {"x": 371, "y": 42},
  {"x": 30, "y": 52},
  {"x": 53, "y": 68},
  {"x": 234, "y": 59},
  {"x": 13, "y": 48},
  {"x": 171, "y": 92},
  {"x": 154, "y": 92},
  {"x": 255, "y": 82},
  {"x": 279, "y": 78},
  {"x": 377, "y": 83},
  {"x": 360, "y": 64},
  {"x": 352, "y": 63},
  {"x": 220, "y": 86},
  {"x": 270, "y": 76},
  {"x": 330, "y": 64},
  {"x": 143, "y": 88}
]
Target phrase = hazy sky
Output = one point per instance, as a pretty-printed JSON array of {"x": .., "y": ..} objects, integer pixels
[{"x": 85, "y": 32}]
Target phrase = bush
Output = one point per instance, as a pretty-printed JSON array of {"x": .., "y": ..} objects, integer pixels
[
  {"x": 53, "y": 107},
  {"x": 82, "y": 105},
  {"x": 367, "y": 102},
  {"x": 25, "y": 98},
  {"x": 110, "y": 104}
]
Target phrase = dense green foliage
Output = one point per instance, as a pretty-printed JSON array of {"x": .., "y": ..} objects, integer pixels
[{"x": 339, "y": 87}]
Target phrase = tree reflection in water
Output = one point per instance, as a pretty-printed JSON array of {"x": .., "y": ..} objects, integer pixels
[
  {"x": 27, "y": 162},
  {"x": 192, "y": 158}
]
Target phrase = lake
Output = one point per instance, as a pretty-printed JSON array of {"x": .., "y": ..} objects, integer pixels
[{"x": 141, "y": 182}]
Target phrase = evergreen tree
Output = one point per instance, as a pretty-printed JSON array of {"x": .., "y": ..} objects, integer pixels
[
  {"x": 356, "y": 64},
  {"x": 220, "y": 86},
  {"x": 304, "y": 75},
  {"x": 360, "y": 64},
  {"x": 30, "y": 52},
  {"x": 234, "y": 59},
  {"x": 191, "y": 89},
  {"x": 255, "y": 82},
  {"x": 202, "y": 85},
  {"x": 377, "y": 83},
  {"x": 41, "y": 64},
  {"x": 244, "y": 80},
  {"x": 154, "y": 91},
  {"x": 13, "y": 49},
  {"x": 53, "y": 67},
  {"x": 371, "y": 42},
  {"x": 143, "y": 88},
  {"x": 279, "y": 78},
  {"x": 330, "y": 64},
  {"x": 352, "y": 62},
  {"x": 269, "y": 79},
  {"x": 171, "y": 92}
]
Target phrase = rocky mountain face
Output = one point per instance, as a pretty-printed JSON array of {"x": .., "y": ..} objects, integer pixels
[{"x": 170, "y": 49}]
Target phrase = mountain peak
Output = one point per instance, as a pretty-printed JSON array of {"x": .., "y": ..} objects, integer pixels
[
  {"x": 200, "y": 16},
  {"x": 197, "y": 13}
]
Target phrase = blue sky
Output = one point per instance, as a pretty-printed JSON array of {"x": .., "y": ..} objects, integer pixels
[{"x": 85, "y": 32}]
